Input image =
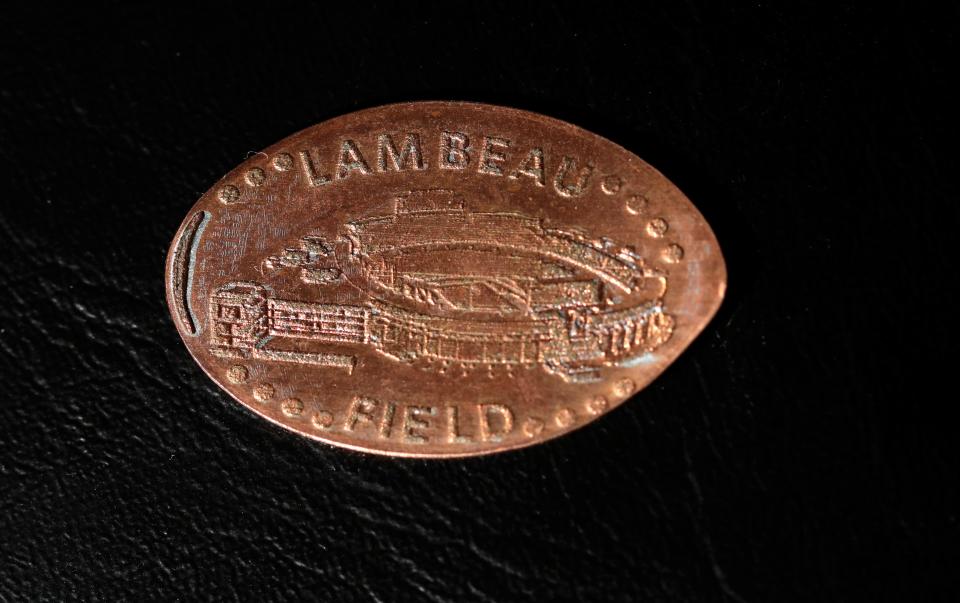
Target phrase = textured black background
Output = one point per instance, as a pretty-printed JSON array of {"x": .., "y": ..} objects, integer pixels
[{"x": 792, "y": 454}]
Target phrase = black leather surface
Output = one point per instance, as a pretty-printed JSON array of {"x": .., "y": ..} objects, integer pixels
[{"x": 791, "y": 454}]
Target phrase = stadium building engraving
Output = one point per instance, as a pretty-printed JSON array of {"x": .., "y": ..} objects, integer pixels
[{"x": 533, "y": 296}]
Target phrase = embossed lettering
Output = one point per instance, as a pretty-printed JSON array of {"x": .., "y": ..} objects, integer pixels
[
  {"x": 361, "y": 411},
  {"x": 532, "y": 166},
  {"x": 350, "y": 159},
  {"x": 454, "y": 150},
  {"x": 576, "y": 189},
  {"x": 386, "y": 422},
  {"x": 496, "y": 421},
  {"x": 412, "y": 423},
  {"x": 398, "y": 160},
  {"x": 314, "y": 177},
  {"x": 490, "y": 154},
  {"x": 453, "y": 427}
]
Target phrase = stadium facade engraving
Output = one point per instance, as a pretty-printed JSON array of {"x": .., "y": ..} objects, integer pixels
[{"x": 534, "y": 296}]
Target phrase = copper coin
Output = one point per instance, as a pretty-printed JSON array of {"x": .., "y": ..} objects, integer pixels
[{"x": 441, "y": 279}]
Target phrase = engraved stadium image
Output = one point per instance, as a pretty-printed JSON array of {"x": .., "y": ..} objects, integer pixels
[{"x": 534, "y": 296}]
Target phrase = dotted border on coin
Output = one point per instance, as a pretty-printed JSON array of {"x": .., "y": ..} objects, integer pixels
[
  {"x": 292, "y": 407},
  {"x": 323, "y": 419},
  {"x": 264, "y": 392},
  {"x": 255, "y": 177},
  {"x": 238, "y": 374}
]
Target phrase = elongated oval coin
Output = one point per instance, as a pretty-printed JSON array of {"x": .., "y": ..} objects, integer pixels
[{"x": 441, "y": 279}]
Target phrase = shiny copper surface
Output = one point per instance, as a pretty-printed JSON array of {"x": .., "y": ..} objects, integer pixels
[{"x": 441, "y": 279}]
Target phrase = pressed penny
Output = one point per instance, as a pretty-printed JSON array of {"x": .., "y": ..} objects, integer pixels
[{"x": 441, "y": 279}]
